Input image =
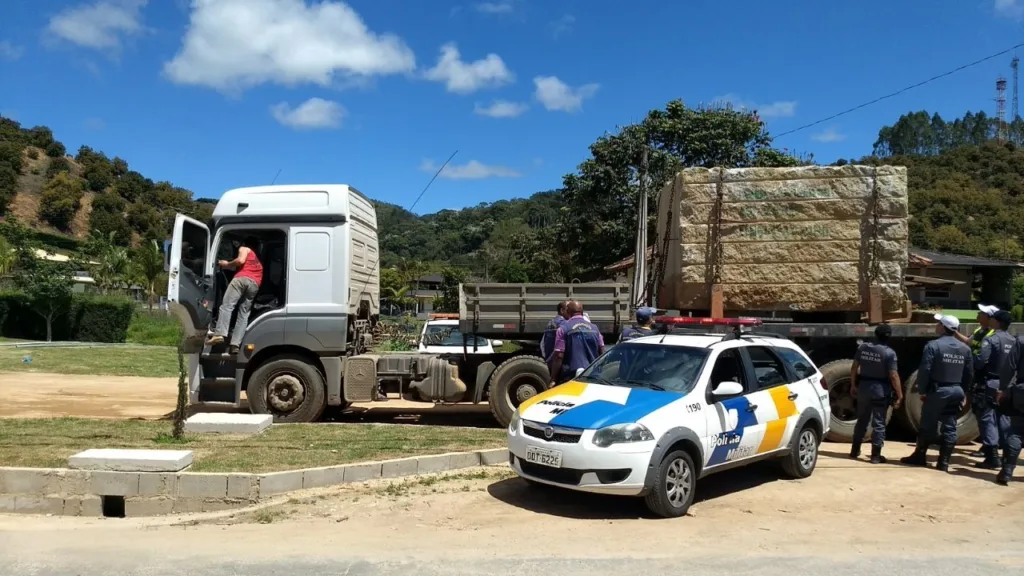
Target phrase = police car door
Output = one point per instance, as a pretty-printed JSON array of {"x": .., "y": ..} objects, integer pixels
[
  {"x": 777, "y": 400},
  {"x": 734, "y": 429}
]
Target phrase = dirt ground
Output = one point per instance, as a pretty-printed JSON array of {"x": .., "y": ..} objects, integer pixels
[
  {"x": 40, "y": 395},
  {"x": 847, "y": 508}
]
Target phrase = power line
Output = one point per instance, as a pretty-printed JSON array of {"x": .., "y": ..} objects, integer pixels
[{"x": 902, "y": 90}]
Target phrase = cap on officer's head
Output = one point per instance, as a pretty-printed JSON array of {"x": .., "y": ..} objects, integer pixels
[
  {"x": 950, "y": 322},
  {"x": 1003, "y": 317},
  {"x": 883, "y": 331},
  {"x": 988, "y": 310},
  {"x": 644, "y": 314}
]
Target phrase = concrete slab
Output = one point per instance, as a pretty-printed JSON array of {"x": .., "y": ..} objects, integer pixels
[
  {"x": 224, "y": 423},
  {"x": 124, "y": 460}
]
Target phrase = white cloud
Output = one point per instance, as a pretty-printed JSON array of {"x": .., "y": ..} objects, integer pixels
[
  {"x": 562, "y": 25},
  {"x": 777, "y": 109},
  {"x": 557, "y": 95},
  {"x": 501, "y": 7},
  {"x": 471, "y": 170},
  {"x": 9, "y": 51},
  {"x": 100, "y": 25},
  {"x": 828, "y": 136},
  {"x": 466, "y": 77},
  {"x": 1010, "y": 8},
  {"x": 231, "y": 45},
  {"x": 501, "y": 109},
  {"x": 311, "y": 114}
]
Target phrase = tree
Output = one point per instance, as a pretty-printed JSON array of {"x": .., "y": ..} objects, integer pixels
[
  {"x": 107, "y": 218},
  {"x": 48, "y": 284},
  {"x": 7, "y": 256},
  {"x": 60, "y": 201},
  {"x": 148, "y": 267},
  {"x": 58, "y": 165},
  {"x": 132, "y": 186},
  {"x": 451, "y": 277},
  {"x": 110, "y": 266},
  {"x": 147, "y": 221}
]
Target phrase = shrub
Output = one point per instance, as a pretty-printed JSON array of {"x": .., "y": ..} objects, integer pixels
[
  {"x": 56, "y": 150},
  {"x": 33, "y": 154},
  {"x": 90, "y": 319},
  {"x": 58, "y": 165},
  {"x": 1017, "y": 313},
  {"x": 61, "y": 200}
]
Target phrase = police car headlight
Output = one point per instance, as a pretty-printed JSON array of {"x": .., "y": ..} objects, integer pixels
[
  {"x": 513, "y": 425},
  {"x": 622, "y": 433}
]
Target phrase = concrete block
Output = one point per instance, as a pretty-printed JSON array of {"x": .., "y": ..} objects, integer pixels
[
  {"x": 187, "y": 505},
  {"x": 28, "y": 481},
  {"x": 126, "y": 460},
  {"x": 6, "y": 503},
  {"x": 32, "y": 504},
  {"x": 73, "y": 482},
  {"x": 462, "y": 460},
  {"x": 218, "y": 504},
  {"x": 326, "y": 476},
  {"x": 495, "y": 457},
  {"x": 399, "y": 468},
  {"x": 225, "y": 423},
  {"x": 114, "y": 483},
  {"x": 158, "y": 484},
  {"x": 243, "y": 486},
  {"x": 192, "y": 485},
  {"x": 90, "y": 506},
  {"x": 142, "y": 507},
  {"x": 362, "y": 472},
  {"x": 280, "y": 482},
  {"x": 433, "y": 464}
]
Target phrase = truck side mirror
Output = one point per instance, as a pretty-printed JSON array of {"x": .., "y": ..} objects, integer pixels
[{"x": 167, "y": 255}]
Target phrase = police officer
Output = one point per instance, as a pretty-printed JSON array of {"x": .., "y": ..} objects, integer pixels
[
  {"x": 547, "y": 341},
  {"x": 988, "y": 367},
  {"x": 984, "y": 330},
  {"x": 1010, "y": 400},
  {"x": 577, "y": 344},
  {"x": 874, "y": 382},
  {"x": 946, "y": 373},
  {"x": 644, "y": 325}
]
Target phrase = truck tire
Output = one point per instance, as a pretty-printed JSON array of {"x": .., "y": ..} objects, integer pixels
[
  {"x": 288, "y": 388},
  {"x": 843, "y": 404},
  {"x": 514, "y": 381},
  {"x": 966, "y": 425}
]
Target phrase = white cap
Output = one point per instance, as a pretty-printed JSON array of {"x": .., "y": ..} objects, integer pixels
[
  {"x": 948, "y": 321},
  {"x": 988, "y": 310}
]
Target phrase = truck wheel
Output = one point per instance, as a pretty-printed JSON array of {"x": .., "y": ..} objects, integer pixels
[
  {"x": 289, "y": 389},
  {"x": 843, "y": 404},
  {"x": 966, "y": 424},
  {"x": 674, "y": 486},
  {"x": 514, "y": 381}
]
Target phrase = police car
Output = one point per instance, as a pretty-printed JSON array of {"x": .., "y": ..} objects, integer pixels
[{"x": 653, "y": 415}]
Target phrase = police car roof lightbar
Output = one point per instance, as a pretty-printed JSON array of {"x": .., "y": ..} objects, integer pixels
[
  {"x": 440, "y": 316},
  {"x": 686, "y": 320}
]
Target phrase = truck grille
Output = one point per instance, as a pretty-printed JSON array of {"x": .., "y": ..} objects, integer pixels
[{"x": 558, "y": 434}]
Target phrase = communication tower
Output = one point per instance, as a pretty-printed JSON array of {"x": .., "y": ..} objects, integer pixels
[{"x": 1001, "y": 108}]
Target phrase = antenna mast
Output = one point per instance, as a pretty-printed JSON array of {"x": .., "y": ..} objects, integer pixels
[
  {"x": 1001, "y": 108},
  {"x": 1014, "y": 110}
]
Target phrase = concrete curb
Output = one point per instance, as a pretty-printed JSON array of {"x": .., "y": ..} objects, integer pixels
[{"x": 66, "y": 492}]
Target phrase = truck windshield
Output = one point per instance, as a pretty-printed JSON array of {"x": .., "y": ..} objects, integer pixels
[
  {"x": 668, "y": 368},
  {"x": 442, "y": 335}
]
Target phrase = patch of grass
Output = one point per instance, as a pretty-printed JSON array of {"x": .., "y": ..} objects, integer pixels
[
  {"x": 405, "y": 486},
  {"x": 157, "y": 329},
  {"x": 156, "y": 361},
  {"x": 47, "y": 443}
]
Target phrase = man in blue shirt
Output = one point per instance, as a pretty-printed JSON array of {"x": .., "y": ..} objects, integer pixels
[
  {"x": 644, "y": 325},
  {"x": 874, "y": 382},
  {"x": 578, "y": 343},
  {"x": 547, "y": 342}
]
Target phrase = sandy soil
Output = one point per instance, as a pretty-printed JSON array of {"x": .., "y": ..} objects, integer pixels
[
  {"x": 40, "y": 395},
  {"x": 847, "y": 508}
]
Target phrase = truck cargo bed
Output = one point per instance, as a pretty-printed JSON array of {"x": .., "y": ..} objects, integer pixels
[{"x": 524, "y": 310}]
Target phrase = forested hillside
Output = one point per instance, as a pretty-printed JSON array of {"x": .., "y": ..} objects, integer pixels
[{"x": 966, "y": 193}]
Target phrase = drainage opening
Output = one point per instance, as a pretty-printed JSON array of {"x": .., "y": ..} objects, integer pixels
[{"x": 113, "y": 506}]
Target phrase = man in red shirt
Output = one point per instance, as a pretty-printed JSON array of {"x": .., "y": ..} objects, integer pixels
[{"x": 241, "y": 292}]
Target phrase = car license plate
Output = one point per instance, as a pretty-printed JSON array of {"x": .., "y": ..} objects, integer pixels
[{"x": 550, "y": 458}]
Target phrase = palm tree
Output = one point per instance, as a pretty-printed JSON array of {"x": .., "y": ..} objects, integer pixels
[
  {"x": 7, "y": 257},
  {"x": 148, "y": 266}
]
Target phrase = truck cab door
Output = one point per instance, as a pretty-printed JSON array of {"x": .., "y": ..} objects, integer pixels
[{"x": 190, "y": 283}]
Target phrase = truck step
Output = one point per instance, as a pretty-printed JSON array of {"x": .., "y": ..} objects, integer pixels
[{"x": 220, "y": 390}]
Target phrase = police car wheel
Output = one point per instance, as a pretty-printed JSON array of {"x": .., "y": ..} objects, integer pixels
[
  {"x": 803, "y": 456},
  {"x": 674, "y": 486}
]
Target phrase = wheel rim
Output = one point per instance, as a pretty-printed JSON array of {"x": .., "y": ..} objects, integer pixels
[
  {"x": 844, "y": 404},
  {"x": 522, "y": 389},
  {"x": 807, "y": 449},
  {"x": 678, "y": 482},
  {"x": 285, "y": 393}
]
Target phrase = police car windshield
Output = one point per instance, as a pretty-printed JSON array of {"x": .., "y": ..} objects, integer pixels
[{"x": 659, "y": 367}]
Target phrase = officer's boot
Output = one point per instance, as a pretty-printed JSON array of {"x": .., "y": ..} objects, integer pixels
[
  {"x": 979, "y": 453},
  {"x": 945, "y": 453},
  {"x": 1009, "y": 463},
  {"x": 876, "y": 455},
  {"x": 855, "y": 450},
  {"x": 918, "y": 457},
  {"x": 992, "y": 460}
]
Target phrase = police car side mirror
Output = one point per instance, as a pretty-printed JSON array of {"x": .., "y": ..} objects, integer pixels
[
  {"x": 728, "y": 389},
  {"x": 497, "y": 343}
]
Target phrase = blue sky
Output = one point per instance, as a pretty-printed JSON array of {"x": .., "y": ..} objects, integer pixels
[{"x": 217, "y": 94}]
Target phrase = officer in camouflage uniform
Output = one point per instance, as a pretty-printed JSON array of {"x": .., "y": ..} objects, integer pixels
[
  {"x": 644, "y": 325},
  {"x": 988, "y": 368},
  {"x": 945, "y": 375},
  {"x": 874, "y": 382}
]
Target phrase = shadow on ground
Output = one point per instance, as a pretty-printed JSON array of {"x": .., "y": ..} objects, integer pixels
[{"x": 542, "y": 499}]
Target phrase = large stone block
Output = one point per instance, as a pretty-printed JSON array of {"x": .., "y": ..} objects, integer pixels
[
  {"x": 786, "y": 297},
  {"x": 785, "y": 252},
  {"x": 791, "y": 211},
  {"x": 888, "y": 229},
  {"x": 114, "y": 483},
  {"x": 131, "y": 460},
  {"x": 816, "y": 273},
  {"x": 228, "y": 423}
]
